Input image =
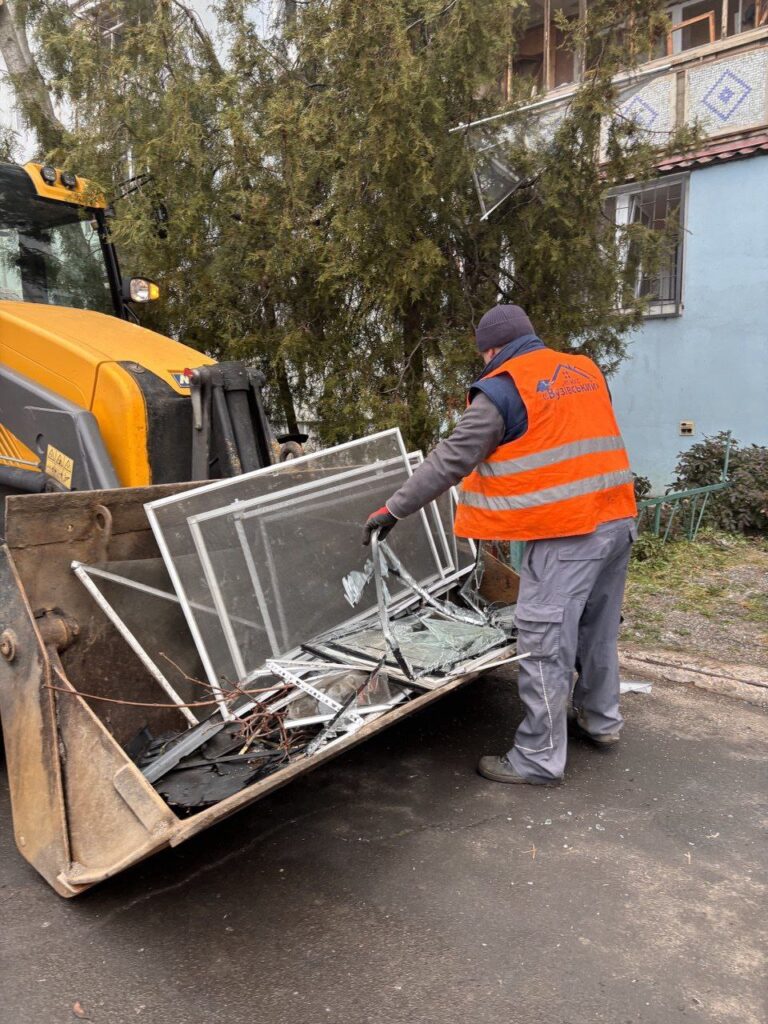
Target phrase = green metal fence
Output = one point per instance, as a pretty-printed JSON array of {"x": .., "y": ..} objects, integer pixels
[
  {"x": 690, "y": 505},
  {"x": 658, "y": 514}
]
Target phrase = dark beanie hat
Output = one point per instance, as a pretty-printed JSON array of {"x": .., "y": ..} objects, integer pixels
[{"x": 501, "y": 325}]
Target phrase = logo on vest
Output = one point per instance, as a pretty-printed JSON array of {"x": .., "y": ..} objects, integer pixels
[{"x": 567, "y": 380}]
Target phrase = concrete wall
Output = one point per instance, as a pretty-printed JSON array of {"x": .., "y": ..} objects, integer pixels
[{"x": 709, "y": 365}]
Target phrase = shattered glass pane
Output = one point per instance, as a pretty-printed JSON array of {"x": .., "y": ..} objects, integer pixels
[
  {"x": 269, "y": 549},
  {"x": 430, "y": 642},
  {"x": 495, "y": 178},
  {"x": 341, "y": 685},
  {"x": 355, "y": 582},
  {"x": 499, "y": 145}
]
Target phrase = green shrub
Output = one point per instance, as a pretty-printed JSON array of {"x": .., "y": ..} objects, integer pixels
[
  {"x": 642, "y": 486},
  {"x": 743, "y": 506}
]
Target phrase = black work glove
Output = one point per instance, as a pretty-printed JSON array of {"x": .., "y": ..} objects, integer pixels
[{"x": 381, "y": 520}]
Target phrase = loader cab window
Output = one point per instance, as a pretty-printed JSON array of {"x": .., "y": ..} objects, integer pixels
[{"x": 50, "y": 253}]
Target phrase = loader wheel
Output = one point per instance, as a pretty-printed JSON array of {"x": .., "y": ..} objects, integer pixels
[{"x": 290, "y": 450}]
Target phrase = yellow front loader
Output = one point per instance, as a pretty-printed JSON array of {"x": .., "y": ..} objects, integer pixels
[
  {"x": 88, "y": 398},
  {"x": 97, "y": 416}
]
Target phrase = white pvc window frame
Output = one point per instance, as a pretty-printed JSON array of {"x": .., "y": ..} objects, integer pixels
[
  {"x": 269, "y": 506},
  {"x": 151, "y": 509}
]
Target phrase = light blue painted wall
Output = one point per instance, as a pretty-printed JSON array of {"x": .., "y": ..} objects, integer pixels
[{"x": 709, "y": 365}]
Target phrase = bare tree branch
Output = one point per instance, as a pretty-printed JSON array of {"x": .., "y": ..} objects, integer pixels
[
  {"x": 29, "y": 86},
  {"x": 202, "y": 35},
  {"x": 439, "y": 14}
]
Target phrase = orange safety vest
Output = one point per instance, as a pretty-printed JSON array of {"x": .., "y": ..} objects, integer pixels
[{"x": 569, "y": 471}]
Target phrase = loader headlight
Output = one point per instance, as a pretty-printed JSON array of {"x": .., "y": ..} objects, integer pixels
[
  {"x": 48, "y": 174},
  {"x": 68, "y": 179},
  {"x": 141, "y": 289}
]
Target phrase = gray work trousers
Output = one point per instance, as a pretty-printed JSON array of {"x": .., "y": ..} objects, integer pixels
[{"x": 568, "y": 615}]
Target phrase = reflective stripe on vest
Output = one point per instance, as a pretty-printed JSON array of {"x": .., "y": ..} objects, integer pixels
[
  {"x": 552, "y": 455},
  {"x": 534, "y": 499},
  {"x": 567, "y": 473}
]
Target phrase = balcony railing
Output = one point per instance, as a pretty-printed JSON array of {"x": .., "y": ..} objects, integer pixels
[{"x": 722, "y": 86}]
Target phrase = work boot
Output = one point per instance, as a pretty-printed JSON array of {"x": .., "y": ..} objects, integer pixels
[
  {"x": 498, "y": 769},
  {"x": 602, "y": 739}
]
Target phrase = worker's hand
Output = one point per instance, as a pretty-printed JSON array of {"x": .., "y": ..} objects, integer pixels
[{"x": 381, "y": 520}]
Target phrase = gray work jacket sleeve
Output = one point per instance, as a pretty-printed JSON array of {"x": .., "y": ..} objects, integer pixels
[{"x": 479, "y": 432}]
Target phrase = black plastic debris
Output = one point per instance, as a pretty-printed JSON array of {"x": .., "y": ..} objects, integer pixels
[
  {"x": 217, "y": 769},
  {"x": 189, "y": 789}
]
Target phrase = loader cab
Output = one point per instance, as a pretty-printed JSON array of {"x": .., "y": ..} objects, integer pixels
[
  {"x": 89, "y": 398},
  {"x": 54, "y": 241}
]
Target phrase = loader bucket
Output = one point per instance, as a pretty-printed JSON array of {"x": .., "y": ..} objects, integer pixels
[{"x": 82, "y": 809}]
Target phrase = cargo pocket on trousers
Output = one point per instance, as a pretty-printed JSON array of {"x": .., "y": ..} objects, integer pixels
[
  {"x": 538, "y": 630},
  {"x": 585, "y": 549}
]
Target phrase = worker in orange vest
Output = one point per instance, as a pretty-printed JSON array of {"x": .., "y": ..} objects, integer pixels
[{"x": 542, "y": 460}]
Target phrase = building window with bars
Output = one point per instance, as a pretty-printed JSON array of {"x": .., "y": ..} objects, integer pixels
[{"x": 659, "y": 206}]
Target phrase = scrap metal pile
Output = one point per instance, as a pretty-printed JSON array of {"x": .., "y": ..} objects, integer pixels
[{"x": 292, "y": 633}]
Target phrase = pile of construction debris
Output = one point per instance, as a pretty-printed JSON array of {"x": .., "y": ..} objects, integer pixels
[{"x": 302, "y": 637}]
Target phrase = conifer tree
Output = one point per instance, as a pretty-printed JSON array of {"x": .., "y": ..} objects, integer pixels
[{"x": 321, "y": 216}]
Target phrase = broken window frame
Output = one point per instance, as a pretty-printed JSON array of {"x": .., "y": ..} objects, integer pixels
[
  {"x": 304, "y": 672},
  {"x": 270, "y": 505},
  {"x": 155, "y": 510},
  {"x": 451, "y": 497},
  {"x": 86, "y": 574},
  {"x": 443, "y": 575}
]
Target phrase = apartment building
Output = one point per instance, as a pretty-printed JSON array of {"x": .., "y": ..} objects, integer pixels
[{"x": 699, "y": 363}]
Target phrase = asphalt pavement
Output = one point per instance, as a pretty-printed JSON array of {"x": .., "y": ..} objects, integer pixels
[{"x": 395, "y": 886}]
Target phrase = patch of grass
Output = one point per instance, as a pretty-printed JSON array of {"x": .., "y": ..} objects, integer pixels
[
  {"x": 688, "y": 570},
  {"x": 711, "y": 549},
  {"x": 756, "y": 607},
  {"x": 710, "y": 595}
]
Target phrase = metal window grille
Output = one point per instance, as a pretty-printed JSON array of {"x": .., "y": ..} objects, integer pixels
[{"x": 659, "y": 206}]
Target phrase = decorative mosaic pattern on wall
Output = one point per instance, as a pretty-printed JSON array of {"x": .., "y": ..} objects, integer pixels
[
  {"x": 652, "y": 108},
  {"x": 547, "y": 124},
  {"x": 729, "y": 94}
]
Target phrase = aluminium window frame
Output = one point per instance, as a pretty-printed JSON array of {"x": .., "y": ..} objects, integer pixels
[
  {"x": 444, "y": 574},
  {"x": 86, "y": 574},
  {"x": 364, "y": 472},
  {"x": 450, "y": 548}
]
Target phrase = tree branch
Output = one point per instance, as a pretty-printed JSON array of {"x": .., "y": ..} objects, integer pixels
[
  {"x": 199, "y": 29},
  {"x": 440, "y": 13},
  {"x": 29, "y": 86},
  {"x": 406, "y": 368}
]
